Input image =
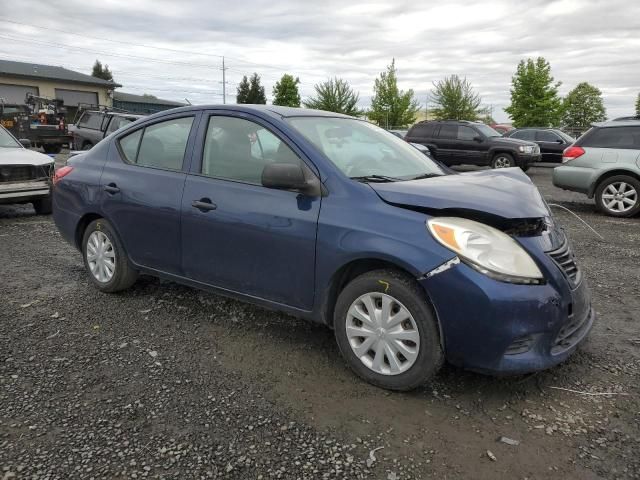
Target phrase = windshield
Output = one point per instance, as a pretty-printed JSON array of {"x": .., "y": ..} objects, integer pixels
[
  {"x": 363, "y": 151},
  {"x": 487, "y": 131},
  {"x": 7, "y": 141}
]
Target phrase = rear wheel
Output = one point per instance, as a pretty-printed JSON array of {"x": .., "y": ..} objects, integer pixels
[
  {"x": 52, "y": 148},
  {"x": 618, "y": 196},
  {"x": 105, "y": 258},
  {"x": 502, "y": 160},
  {"x": 386, "y": 330},
  {"x": 87, "y": 146},
  {"x": 42, "y": 206}
]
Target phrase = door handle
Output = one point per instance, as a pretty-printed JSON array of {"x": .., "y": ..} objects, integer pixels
[
  {"x": 204, "y": 205},
  {"x": 111, "y": 188}
]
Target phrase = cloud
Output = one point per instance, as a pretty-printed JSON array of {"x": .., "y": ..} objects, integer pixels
[{"x": 584, "y": 40}]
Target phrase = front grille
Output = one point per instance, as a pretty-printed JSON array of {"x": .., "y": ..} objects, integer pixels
[
  {"x": 566, "y": 261},
  {"x": 22, "y": 173},
  {"x": 570, "y": 334}
]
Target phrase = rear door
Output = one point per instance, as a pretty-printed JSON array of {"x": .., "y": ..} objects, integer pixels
[
  {"x": 237, "y": 234},
  {"x": 142, "y": 184},
  {"x": 446, "y": 143}
]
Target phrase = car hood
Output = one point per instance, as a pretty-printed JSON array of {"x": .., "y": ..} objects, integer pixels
[
  {"x": 510, "y": 142},
  {"x": 23, "y": 156},
  {"x": 506, "y": 193}
]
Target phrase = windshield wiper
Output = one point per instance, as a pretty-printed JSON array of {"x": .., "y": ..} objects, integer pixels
[
  {"x": 425, "y": 175},
  {"x": 377, "y": 178}
]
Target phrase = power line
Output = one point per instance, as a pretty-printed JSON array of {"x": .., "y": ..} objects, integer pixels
[{"x": 174, "y": 50}]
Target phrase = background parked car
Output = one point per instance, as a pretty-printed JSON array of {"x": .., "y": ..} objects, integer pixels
[
  {"x": 605, "y": 163},
  {"x": 93, "y": 125},
  {"x": 455, "y": 142},
  {"x": 25, "y": 175},
  {"x": 503, "y": 129},
  {"x": 552, "y": 141}
]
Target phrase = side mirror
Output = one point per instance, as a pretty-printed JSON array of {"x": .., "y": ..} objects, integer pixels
[
  {"x": 478, "y": 139},
  {"x": 25, "y": 142},
  {"x": 560, "y": 142},
  {"x": 289, "y": 176}
]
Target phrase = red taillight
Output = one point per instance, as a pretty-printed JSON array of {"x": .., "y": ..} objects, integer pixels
[
  {"x": 61, "y": 173},
  {"x": 571, "y": 153}
]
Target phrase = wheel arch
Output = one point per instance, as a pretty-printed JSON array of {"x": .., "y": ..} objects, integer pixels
[
  {"x": 357, "y": 267},
  {"x": 608, "y": 174},
  {"x": 82, "y": 225}
]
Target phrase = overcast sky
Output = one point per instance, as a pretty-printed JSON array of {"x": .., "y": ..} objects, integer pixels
[{"x": 173, "y": 49}]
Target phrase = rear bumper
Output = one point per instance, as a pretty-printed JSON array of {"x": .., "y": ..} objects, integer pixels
[
  {"x": 23, "y": 191},
  {"x": 576, "y": 179},
  {"x": 500, "y": 328}
]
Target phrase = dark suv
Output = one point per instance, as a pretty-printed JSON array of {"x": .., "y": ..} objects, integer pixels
[
  {"x": 455, "y": 142},
  {"x": 93, "y": 125}
]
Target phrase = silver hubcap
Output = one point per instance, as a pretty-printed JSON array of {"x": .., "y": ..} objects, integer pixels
[
  {"x": 101, "y": 256},
  {"x": 382, "y": 333},
  {"x": 502, "y": 162},
  {"x": 619, "y": 197}
]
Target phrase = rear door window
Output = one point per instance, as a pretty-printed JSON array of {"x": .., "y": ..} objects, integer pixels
[
  {"x": 448, "y": 131},
  {"x": 613, "y": 137},
  {"x": 524, "y": 135},
  {"x": 161, "y": 145}
]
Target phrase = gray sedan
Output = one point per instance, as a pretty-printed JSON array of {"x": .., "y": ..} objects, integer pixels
[{"x": 605, "y": 164}]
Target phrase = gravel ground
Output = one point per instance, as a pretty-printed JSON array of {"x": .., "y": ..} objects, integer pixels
[{"x": 164, "y": 381}]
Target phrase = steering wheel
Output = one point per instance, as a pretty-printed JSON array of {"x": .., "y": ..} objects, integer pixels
[{"x": 353, "y": 170}]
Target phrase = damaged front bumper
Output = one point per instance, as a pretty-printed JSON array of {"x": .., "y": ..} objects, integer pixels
[{"x": 502, "y": 328}]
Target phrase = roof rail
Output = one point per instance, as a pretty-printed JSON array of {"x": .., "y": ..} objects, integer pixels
[
  {"x": 632, "y": 117},
  {"x": 100, "y": 107}
]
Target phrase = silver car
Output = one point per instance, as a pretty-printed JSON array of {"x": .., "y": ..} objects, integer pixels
[
  {"x": 25, "y": 175},
  {"x": 604, "y": 164}
]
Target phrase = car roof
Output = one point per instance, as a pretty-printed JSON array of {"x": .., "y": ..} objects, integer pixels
[
  {"x": 618, "y": 123},
  {"x": 271, "y": 110}
]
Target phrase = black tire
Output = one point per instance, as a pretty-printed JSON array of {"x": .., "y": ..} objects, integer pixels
[
  {"x": 42, "y": 206},
  {"x": 526, "y": 168},
  {"x": 87, "y": 146},
  {"x": 500, "y": 160},
  {"x": 618, "y": 179},
  {"x": 52, "y": 148},
  {"x": 124, "y": 275},
  {"x": 405, "y": 290}
]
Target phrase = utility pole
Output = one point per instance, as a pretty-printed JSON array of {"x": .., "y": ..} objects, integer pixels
[{"x": 224, "y": 83}]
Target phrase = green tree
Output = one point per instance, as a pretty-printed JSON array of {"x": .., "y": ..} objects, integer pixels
[
  {"x": 335, "y": 95},
  {"x": 102, "y": 72},
  {"x": 250, "y": 91},
  {"x": 638, "y": 105},
  {"x": 534, "y": 95},
  {"x": 390, "y": 106},
  {"x": 285, "y": 92},
  {"x": 455, "y": 99},
  {"x": 583, "y": 106}
]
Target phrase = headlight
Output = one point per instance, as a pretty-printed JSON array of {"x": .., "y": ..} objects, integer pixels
[
  {"x": 526, "y": 149},
  {"x": 486, "y": 249}
]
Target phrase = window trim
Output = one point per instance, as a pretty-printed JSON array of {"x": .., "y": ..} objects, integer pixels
[
  {"x": 199, "y": 145},
  {"x": 188, "y": 151}
]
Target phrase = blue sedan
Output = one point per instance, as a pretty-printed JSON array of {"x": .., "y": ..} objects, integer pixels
[{"x": 329, "y": 218}]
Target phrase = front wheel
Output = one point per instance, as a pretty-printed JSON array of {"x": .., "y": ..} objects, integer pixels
[
  {"x": 52, "y": 148},
  {"x": 387, "y": 332},
  {"x": 105, "y": 258},
  {"x": 502, "y": 160},
  {"x": 42, "y": 206},
  {"x": 618, "y": 196}
]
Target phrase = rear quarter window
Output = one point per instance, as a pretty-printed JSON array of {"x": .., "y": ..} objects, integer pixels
[
  {"x": 422, "y": 131},
  {"x": 612, "y": 137},
  {"x": 91, "y": 120}
]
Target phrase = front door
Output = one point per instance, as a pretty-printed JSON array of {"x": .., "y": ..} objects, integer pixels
[
  {"x": 551, "y": 146},
  {"x": 142, "y": 184},
  {"x": 237, "y": 234}
]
